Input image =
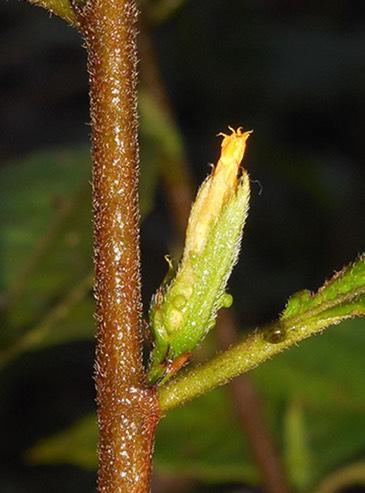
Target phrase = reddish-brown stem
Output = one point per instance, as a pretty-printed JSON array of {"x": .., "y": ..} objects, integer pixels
[
  {"x": 127, "y": 409},
  {"x": 179, "y": 197}
]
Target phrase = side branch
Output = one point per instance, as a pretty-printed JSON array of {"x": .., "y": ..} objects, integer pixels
[{"x": 239, "y": 359}]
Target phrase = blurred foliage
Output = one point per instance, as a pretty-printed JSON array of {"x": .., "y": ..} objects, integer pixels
[
  {"x": 313, "y": 394},
  {"x": 294, "y": 74},
  {"x": 48, "y": 247},
  {"x": 297, "y": 453},
  {"x": 189, "y": 442}
]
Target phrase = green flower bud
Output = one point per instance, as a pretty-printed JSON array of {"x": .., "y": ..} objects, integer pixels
[{"x": 185, "y": 307}]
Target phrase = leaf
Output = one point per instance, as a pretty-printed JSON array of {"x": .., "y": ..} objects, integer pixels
[
  {"x": 46, "y": 231},
  {"x": 158, "y": 130},
  {"x": 326, "y": 370},
  {"x": 341, "y": 297},
  {"x": 76, "y": 445},
  {"x": 162, "y": 10},
  {"x": 324, "y": 374},
  {"x": 33, "y": 191}
]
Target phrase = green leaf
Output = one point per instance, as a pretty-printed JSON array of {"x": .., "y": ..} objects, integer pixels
[
  {"x": 33, "y": 192},
  {"x": 341, "y": 297},
  {"x": 343, "y": 479},
  {"x": 327, "y": 370},
  {"x": 46, "y": 232},
  {"x": 76, "y": 445},
  {"x": 162, "y": 10}
]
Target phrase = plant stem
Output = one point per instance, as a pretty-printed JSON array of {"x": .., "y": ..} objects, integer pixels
[
  {"x": 127, "y": 409},
  {"x": 239, "y": 359}
]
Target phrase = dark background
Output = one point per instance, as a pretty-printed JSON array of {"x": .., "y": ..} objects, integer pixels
[{"x": 292, "y": 71}]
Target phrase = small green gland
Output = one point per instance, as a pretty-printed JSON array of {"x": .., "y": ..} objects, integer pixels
[
  {"x": 173, "y": 319},
  {"x": 226, "y": 300},
  {"x": 179, "y": 301},
  {"x": 193, "y": 257}
]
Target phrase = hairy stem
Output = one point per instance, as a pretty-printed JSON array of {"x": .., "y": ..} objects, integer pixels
[
  {"x": 127, "y": 409},
  {"x": 239, "y": 359}
]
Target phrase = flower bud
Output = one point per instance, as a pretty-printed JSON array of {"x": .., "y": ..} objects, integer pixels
[{"x": 184, "y": 308}]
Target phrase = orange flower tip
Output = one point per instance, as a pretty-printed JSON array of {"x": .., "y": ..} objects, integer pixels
[
  {"x": 237, "y": 133},
  {"x": 233, "y": 146}
]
